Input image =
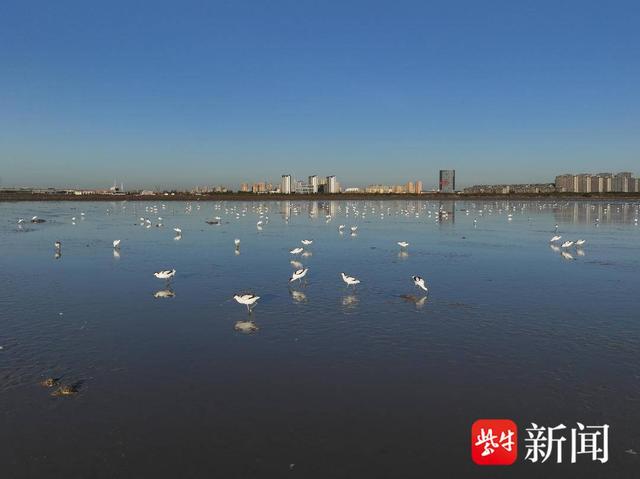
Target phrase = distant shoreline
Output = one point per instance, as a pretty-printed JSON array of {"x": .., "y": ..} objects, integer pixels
[{"x": 15, "y": 197}]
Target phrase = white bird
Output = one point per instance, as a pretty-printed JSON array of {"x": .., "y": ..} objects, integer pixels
[
  {"x": 249, "y": 300},
  {"x": 237, "y": 243},
  {"x": 57, "y": 245},
  {"x": 298, "y": 275},
  {"x": 297, "y": 250},
  {"x": 165, "y": 274},
  {"x": 419, "y": 282},
  {"x": 580, "y": 242},
  {"x": 178, "y": 230},
  {"x": 403, "y": 244},
  {"x": 350, "y": 280},
  {"x": 555, "y": 238},
  {"x": 306, "y": 242},
  {"x": 567, "y": 244},
  {"x": 354, "y": 229},
  {"x": 341, "y": 227},
  {"x": 116, "y": 244},
  {"x": 20, "y": 221}
]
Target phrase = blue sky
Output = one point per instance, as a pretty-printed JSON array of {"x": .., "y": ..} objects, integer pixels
[{"x": 184, "y": 93}]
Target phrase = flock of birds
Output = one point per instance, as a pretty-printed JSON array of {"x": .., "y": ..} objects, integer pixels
[
  {"x": 564, "y": 248},
  {"x": 301, "y": 273},
  {"x": 250, "y": 300}
]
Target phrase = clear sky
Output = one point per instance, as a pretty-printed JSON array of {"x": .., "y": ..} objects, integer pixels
[{"x": 180, "y": 93}]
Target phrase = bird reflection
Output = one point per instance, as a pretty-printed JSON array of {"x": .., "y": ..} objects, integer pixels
[
  {"x": 298, "y": 296},
  {"x": 246, "y": 326},
  {"x": 580, "y": 252},
  {"x": 418, "y": 301},
  {"x": 57, "y": 255},
  {"x": 567, "y": 256},
  {"x": 116, "y": 254},
  {"x": 350, "y": 301},
  {"x": 403, "y": 254},
  {"x": 164, "y": 293},
  {"x": 554, "y": 248},
  {"x": 296, "y": 264}
]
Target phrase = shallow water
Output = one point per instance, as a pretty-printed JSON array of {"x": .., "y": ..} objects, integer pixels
[{"x": 337, "y": 381}]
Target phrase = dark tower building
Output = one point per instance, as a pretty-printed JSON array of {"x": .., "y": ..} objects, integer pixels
[{"x": 447, "y": 181}]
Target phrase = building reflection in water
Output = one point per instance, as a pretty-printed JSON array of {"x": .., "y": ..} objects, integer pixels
[
  {"x": 584, "y": 212},
  {"x": 577, "y": 212},
  {"x": 446, "y": 212}
]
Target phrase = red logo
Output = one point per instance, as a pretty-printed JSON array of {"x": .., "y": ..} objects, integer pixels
[{"x": 494, "y": 442}]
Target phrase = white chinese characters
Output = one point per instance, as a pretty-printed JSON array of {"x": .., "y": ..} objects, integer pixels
[{"x": 543, "y": 443}]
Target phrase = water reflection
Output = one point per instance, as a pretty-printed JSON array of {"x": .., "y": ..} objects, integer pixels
[
  {"x": 480, "y": 286},
  {"x": 350, "y": 301},
  {"x": 246, "y": 327},
  {"x": 164, "y": 293},
  {"x": 298, "y": 296},
  {"x": 419, "y": 301},
  {"x": 584, "y": 212},
  {"x": 566, "y": 255}
]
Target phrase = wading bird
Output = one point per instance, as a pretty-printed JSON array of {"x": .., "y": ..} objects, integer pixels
[
  {"x": 248, "y": 299},
  {"x": 298, "y": 275},
  {"x": 419, "y": 282},
  {"x": 350, "y": 280},
  {"x": 165, "y": 274}
]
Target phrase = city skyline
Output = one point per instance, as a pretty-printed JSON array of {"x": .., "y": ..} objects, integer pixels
[
  {"x": 167, "y": 96},
  {"x": 603, "y": 182}
]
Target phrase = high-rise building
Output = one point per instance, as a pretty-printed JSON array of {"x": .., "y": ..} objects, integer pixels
[
  {"x": 418, "y": 187},
  {"x": 285, "y": 185},
  {"x": 584, "y": 183},
  {"x": 313, "y": 183},
  {"x": 607, "y": 182},
  {"x": 622, "y": 181},
  {"x": 411, "y": 188},
  {"x": 260, "y": 187},
  {"x": 447, "y": 181},
  {"x": 567, "y": 183},
  {"x": 332, "y": 185},
  {"x": 244, "y": 187}
]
